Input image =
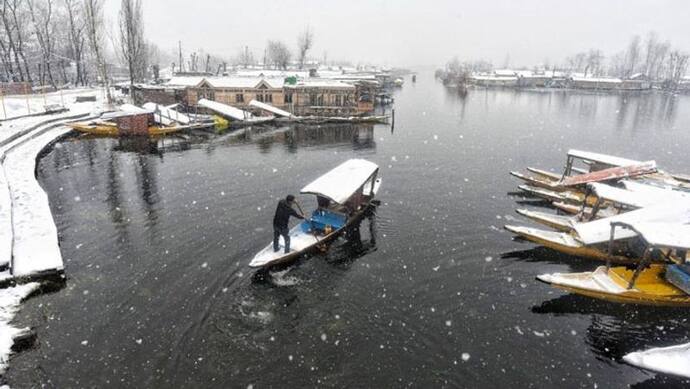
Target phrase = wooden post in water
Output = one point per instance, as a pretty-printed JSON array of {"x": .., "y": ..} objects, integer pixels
[{"x": 392, "y": 120}]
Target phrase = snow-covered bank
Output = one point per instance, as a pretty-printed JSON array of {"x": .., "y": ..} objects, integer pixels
[
  {"x": 35, "y": 244},
  {"x": 10, "y": 298}
]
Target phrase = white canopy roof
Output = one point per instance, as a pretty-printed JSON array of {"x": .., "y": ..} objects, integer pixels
[
  {"x": 623, "y": 196},
  {"x": 270, "y": 108},
  {"x": 343, "y": 181},
  {"x": 599, "y": 231},
  {"x": 225, "y": 109},
  {"x": 666, "y": 235},
  {"x": 602, "y": 158}
]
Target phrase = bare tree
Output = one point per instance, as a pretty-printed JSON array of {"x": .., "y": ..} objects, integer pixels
[
  {"x": 245, "y": 57},
  {"x": 632, "y": 56},
  {"x": 676, "y": 68},
  {"x": 15, "y": 33},
  {"x": 45, "y": 35},
  {"x": 305, "y": 41},
  {"x": 278, "y": 54},
  {"x": 594, "y": 61},
  {"x": 132, "y": 45},
  {"x": 94, "y": 27},
  {"x": 77, "y": 25}
]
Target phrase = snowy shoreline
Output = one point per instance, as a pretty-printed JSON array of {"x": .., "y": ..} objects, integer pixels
[{"x": 29, "y": 246}]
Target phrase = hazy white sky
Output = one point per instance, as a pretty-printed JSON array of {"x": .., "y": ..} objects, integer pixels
[{"x": 414, "y": 32}]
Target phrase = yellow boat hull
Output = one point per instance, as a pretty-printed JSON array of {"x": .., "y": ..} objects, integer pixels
[
  {"x": 650, "y": 288},
  {"x": 112, "y": 130}
]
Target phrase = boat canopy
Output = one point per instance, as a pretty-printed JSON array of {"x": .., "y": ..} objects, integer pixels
[
  {"x": 343, "y": 181},
  {"x": 270, "y": 108},
  {"x": 602, "y": 158},
  {"x": 599, "y": 231},
  {"x": 659, "y": 234},
  {"x": 623, "y": 196},
  {"x": 225, "y": 110}
]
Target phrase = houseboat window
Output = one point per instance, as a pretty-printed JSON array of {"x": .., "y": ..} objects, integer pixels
[
  {"x": 312, "y": 99},
  {"x": 288, "y": 98},
  {"x": 338, "y": 100},
  {"x": 260, "y": 97},
  {"x": 239, "y": 98},
  {"x": 319, "y": 100},
  {"x": 269, "y": 98}
]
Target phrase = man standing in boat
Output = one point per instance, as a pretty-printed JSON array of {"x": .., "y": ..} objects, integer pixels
[{"x": 280, "y": 222}]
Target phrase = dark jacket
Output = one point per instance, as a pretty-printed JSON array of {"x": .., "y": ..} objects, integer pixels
[{"x": 283, "y": 213}]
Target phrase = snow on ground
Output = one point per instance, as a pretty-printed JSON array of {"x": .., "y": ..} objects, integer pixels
[
  {"x": 35, "y": 247},
  {"x": 10, "y": 298},
  {"x": 19, "y": 105}
]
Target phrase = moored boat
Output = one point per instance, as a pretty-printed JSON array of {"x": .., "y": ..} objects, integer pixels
[
  {"x": 343, "y": 196},
  {"x": 650, "y": 287},
  {"x": 670, "y": 360},
  {"x": 665, "y": 284}
]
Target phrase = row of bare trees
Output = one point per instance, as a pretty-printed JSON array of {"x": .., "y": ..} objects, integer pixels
[
  {"x": 657, "y": 60},
  {"x": 278, "y": 54},
  {"x": 58, "y": 42}
]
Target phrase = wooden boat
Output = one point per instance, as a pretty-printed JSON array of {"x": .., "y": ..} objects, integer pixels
[
  {"x": 557, "y": 222},
  {"x": 567, "y": 243},
  {"x": 589, "y": 239},
  {"x": 650, "y": 287},
  {"x": 648, "y": 283},
  {"x": 343, "y": 196},
  {"x": 670, "y": 360},
  {"x": 111, "y": 129}
]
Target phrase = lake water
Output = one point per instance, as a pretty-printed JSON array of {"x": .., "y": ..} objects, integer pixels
[{"x": 430, "y": 292}]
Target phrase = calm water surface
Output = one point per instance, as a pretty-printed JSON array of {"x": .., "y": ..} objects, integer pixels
[{"x": 428, "y": 292}]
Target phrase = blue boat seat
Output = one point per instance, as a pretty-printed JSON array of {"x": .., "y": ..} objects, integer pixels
[{"x": 322, "y": 218}]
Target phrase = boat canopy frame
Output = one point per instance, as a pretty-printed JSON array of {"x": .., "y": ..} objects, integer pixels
[
  {"x": 649, "y": 246},
  {"x": 341, "y": 183},
  {"x": 591, "y": 158}
]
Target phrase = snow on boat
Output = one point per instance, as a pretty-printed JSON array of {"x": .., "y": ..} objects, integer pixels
[
  {"x": 670, "y": 360},
  {"x": 557, "y": 222},
  {"x": 233, "y": 113},
  {"x": 650, "y": 287},
  {"x": 648, "y": 284},
  {"x": 564, "y": 242},
  {"x": 343, "y": 195}
]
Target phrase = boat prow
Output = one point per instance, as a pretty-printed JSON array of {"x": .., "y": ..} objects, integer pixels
[
  {"x": 670, "y": 360},
  {"x": 557, "y": 222},
  {"x": 650, "y": 287}
]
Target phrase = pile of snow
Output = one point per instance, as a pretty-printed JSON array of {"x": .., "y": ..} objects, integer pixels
[{"x": 10, "y": 299}]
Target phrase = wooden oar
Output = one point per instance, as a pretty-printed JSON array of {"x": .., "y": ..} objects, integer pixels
[{"x": 319, "y": 245}]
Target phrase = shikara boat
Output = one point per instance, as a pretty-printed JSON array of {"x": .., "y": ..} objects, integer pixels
[
  {"x": 343, "y": 196},
  {"x": 670, "y": 360},
  {"x": 650, "y": 287},
  {"x": 111, "y": 129},
  {"x": 648, "y": 283},
  {"x": 589, "y": 239}
]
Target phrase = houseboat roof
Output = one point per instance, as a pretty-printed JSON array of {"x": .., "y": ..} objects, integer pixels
[
  {"x": 602, "y": 158},
  {"x": 227, "y": 82},
  {"x": 321, "y": 83},
  {"x": 343, "y": 181},
  {"x": 597, "y": 80}
]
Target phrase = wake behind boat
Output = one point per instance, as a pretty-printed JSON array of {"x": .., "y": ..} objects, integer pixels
[{"x": 343, "y": 195}]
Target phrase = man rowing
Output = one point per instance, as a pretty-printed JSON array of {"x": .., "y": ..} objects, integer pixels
[{"x": 280, "y": 222}]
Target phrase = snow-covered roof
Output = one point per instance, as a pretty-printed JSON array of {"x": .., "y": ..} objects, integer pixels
[
  {"x": 270, "y": 108},
  {"x": 321, "y": 83},
  {"x": 595, "y": 79},
  {"x": 599, "y": 231},
  {"x": 343, "y": 181},
  {"x": 227, "y": 82},
  {"x": 602, "y": 158},
  {"x": 225, "y": 109},
  {"x": 622, "y": 196},
  {"x": 666, "y": 235},
  {"x": 271, "y": 73}
]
